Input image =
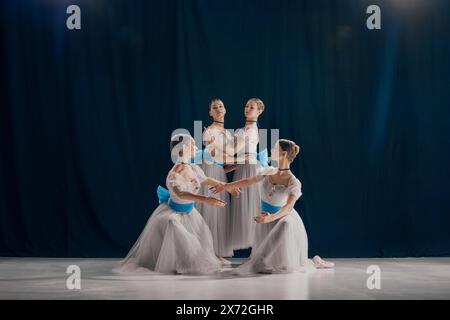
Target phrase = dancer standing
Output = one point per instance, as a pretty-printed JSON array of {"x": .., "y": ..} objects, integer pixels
[
  {"x": 281, "y": 242},
  {"x": 217, "y": 139},
  {"x": 176, "y": 239},
  {"x": 246, "y": 207}
]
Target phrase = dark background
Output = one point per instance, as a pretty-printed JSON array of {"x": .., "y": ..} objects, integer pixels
[{"x": 86, "y": 115}]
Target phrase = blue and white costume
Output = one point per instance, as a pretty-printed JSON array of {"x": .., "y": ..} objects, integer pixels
[
  {"x": 246, "y": 207},
  {"x": 175, "y": 239},
  {"x": 282, "y": 245},
  {"x": 218, "y": 219}
]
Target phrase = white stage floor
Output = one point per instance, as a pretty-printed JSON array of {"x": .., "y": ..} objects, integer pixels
[{"x": 41, "y": 278}]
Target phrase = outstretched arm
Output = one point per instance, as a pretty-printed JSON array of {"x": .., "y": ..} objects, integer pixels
[
  {"x": 212, "y": 182},
  {"x": 243, "y": 182},
  {"x": 184, "y": 195},
  {"x": 236, "y": 184},
  {"x": 220, "y": 185},
  {"x": 228, "y": 149}
]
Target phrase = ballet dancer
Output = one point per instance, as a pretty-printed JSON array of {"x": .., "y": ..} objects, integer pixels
[
  {"x": 280, "y": 243},
  {"x": 176, "y": 239},
  {"x": 246, "y": 207},
  {"x": 217, "y": 140}
]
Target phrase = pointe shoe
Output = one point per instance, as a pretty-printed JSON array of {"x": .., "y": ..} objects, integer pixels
[{"x": 319, "y": 263}]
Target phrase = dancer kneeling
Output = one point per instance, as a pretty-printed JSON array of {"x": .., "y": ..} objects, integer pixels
[
  {"x": 280, "y": 241},
  {"x": 176, "y": 239}
]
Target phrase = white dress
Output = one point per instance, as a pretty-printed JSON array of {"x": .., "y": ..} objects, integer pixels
[
  {"x": 245, "y": 207},
  {"x": 280, "y": 246},
  {"x": 174, "y": 242},
  {"x": 218, "y": 219}
]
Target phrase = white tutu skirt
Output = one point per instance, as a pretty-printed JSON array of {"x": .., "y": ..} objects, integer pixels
[
  {"x": 217, "y": 219},
  {"x": 245, "y": 208},
  {"x": 280, "y": 247},
  {"x": 173, "y": 243}
]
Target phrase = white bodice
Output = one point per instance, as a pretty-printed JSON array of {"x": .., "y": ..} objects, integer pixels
[
  {"x": 222, "y": 136},
  {"x": 175, "y": 179},
  {"x": 278, "y": 195},
  {"x": 250, "y": 134}
]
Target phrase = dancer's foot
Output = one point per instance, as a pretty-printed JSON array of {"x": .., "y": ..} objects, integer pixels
[
  {"x": 265, "y": 271},
  {"x": 319, "y": 263}
]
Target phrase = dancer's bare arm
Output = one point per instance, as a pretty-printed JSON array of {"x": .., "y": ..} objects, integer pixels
[
  {"x": 184, "y": 195},
  {"x": 264, "y": 217}
]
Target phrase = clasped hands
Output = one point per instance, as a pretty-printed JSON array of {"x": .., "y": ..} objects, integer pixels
[
  {"x": 264, "y": 217},
  {"x": 234, "y": 191}
]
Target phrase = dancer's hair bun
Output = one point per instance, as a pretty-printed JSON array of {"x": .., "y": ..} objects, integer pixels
[{"x": 290, "y": 147}]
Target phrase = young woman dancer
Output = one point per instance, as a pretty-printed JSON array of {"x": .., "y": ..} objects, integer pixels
[
  {"x": 176, "y": 239},
  {"x": 281, "y": 242},
  {"x": 217, "y": 139},
  {"x": 246, "y": 207}
]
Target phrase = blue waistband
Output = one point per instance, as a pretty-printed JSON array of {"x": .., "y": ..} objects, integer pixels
[
  {"x": 164, "y": 196},
  {"x": 269, "y": 208},
  {"x": 184, "y": 208}
]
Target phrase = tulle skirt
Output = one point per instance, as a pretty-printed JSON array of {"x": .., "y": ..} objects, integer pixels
[
  {"x": 173, "y": 243},
  {"x": 245, "y": 208},
  {"x": 217, "y": 219},
  {"x": 280, "y": 247}
]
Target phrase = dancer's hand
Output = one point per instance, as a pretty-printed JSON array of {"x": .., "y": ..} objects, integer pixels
[
  {"x": 215, "y": 202},
  {"x": 235, "y": 192},
  {"x": 264, "y": 217},
  {"x": 218, "y": 188}
]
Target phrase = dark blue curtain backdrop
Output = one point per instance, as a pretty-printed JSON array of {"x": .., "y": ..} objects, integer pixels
[{"x": 86, "y": 115}]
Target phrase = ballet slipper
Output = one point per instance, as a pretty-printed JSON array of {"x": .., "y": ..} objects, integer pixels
[{"x": 319, "y": 263}]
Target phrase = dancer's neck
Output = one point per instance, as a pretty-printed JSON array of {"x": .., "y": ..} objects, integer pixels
[
  {"x": 283, "y": 167},
  {"x": 218, "y": 123}
]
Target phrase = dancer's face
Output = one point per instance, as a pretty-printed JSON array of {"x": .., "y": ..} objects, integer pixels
[
  {"x": 251, "y": 110},
  {"x": 217, "y": 110}
]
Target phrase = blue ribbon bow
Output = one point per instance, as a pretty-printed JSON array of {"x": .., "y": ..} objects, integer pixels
[
  {"x": 263, "y": 158},
  {"x": 164, "y": 196}
]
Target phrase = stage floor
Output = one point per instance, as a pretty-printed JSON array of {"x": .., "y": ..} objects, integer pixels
[{"x": 41, "y": 278}]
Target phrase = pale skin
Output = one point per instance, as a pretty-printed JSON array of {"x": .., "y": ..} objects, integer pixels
[
  {"x": 281, "y": 177},
  {"x": 251, "y": 112},
  {"x": 217, "y": 111},
  {"x": 186, "y": 170},
  {"x": 189, "y": 149}
]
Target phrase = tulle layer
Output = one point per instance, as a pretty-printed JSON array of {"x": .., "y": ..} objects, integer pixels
[
  {"x": 280, "y": 247},
  {"x": 244, "y": 209},
  {"x": 173, "y": 243},
  {"x": 217, "y": 219}
]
